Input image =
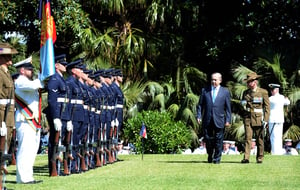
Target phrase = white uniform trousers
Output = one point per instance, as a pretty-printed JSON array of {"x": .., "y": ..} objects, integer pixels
[
  {"x": 276, "y": 138},
  {"x": 28, "y": 145}
]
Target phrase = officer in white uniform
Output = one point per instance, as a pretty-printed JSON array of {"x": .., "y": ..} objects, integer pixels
[
  {"x": 26, "y": 117},
  {"x": 276, "y": 119}
]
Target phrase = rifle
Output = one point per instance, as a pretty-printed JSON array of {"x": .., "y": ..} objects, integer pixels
[
  {"x": 98, "y": 148},
  {"x": 103, "y": 144},
  {"x": 107, "y": 151},
  {"x": 67, "y": 154},
  {"x": 111, "y": 144},
  {"x": 3, "y": 145},
  {"x": 3, "y": 158},
  {"x": 86, "y": 148},
  {"x": 13, "y": 147},
  {"x": 97, "y": 154},
  {"x": 82, "y": 154},
  {"x": 58, "y": 148},
  {"x": 92, "y": 145},
  {"x": 115, "y": 141}
]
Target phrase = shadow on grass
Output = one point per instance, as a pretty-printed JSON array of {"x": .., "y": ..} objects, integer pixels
[
  {"x": 203, "y": 162},
  {"x": 41, "y": 170},
  {"x": 37, "y": 170}
]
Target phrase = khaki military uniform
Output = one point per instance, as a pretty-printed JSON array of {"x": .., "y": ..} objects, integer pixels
[
  {"x": 257, "y": 111},
  {"x": 7, "y": 106}
]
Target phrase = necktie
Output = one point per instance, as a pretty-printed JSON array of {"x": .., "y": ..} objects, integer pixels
[{"x": 214, "y": 94}]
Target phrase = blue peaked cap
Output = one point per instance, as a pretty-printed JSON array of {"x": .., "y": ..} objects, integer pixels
[
  {"x": 60, "y": 58},
  {"x": 75, "y": 64}
]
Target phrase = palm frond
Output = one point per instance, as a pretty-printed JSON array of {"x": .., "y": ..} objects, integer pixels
[
  {"x": 278, "y": 72},
  {"x": 168, "y": 89},
  {"x": 193, "y": 79},
  {"x": 154, "y": 88},
  {"x": 191, "y": 100},
  {"x": 173, "y": 110},
  {"x": 240, "y": 73},
  {"x": 133, "y": 93},
  {"x": 294, "y": 95},
  {"x": 236, "y": 132},
  {"x": 189, "y": 117},
  {"x": 292, "y": 133},
  {"x": 158, "y": 103}
]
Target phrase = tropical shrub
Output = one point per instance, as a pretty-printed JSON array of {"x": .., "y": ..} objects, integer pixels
[{"x": 164, "y": 135}]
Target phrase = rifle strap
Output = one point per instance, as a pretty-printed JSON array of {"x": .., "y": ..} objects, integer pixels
[{"x": 27, "y": 113}]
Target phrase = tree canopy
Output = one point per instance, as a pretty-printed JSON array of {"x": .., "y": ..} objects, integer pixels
[{"x": 150, "y": 36}]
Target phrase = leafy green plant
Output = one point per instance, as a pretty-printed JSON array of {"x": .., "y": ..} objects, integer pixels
[{"x": 164, "y": 135}]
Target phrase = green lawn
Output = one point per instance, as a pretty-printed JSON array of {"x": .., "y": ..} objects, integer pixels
[{"x": 173, "y": 172}]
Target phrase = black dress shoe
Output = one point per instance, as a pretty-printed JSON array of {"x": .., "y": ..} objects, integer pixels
[
  {"x": 34, "y": 182},
  {"x": 209, "y": 159},
  {"x": 245, "y": 161},
  {"x": 259, "y": 161},
  {"x": 75, "y": 172}
]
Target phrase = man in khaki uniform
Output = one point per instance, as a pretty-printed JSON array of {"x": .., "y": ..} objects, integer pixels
[
  {"x": 257, "y": 110},
  {"x": 7, "y": 107}
]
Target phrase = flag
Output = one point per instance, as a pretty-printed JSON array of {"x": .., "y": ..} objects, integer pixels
[
  {"x": 48, "y": 38},
  {"x": 143, "y": 132}
]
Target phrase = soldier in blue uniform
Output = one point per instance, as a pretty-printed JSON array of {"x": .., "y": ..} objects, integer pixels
[
  {"x": 102, "y": 93},
  {"x": 106, "y": 114},
  {"x": 83, "y": 132},
  {"x": 110, "y": 120},
  {"x": 89, "y": 117},
  {"x": 93, "y": 99},
  {"x": 97, "y": 130},
  {"x": 77, "y": 111},
  {"x": 119, "y": 101},
  {"x": 58, "y": 113}
]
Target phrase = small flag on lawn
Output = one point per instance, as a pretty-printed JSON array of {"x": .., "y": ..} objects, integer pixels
[{"x": 143, "y": 132}]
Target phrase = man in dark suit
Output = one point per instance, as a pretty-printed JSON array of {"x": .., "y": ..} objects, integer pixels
[{"x": 214, "y": 107}]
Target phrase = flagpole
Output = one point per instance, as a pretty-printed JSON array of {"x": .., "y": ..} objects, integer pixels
[
  {"x": 143, "y": 134},
  {"x": 142, "y": 148}
]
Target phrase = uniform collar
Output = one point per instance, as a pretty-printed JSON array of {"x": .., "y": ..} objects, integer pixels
[{"x": 5, "y": 69}]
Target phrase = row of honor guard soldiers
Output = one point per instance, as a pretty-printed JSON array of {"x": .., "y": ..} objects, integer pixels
[{"x": 85, "y": 114}]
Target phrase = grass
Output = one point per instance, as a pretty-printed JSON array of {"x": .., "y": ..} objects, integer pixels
[{"x": 172, "y": 172}]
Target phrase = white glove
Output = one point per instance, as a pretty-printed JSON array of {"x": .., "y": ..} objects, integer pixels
[
  {"x": 243, "y": 102},
  {"x": 112, "y": 123},
  {"x": 265, "y": 124},
  {"x": 69, "y": 126},
  {"x": 42, "y": 84},
  {"x": 3, "y": 130},
  {"x": 57, "y": 124},
  {"x": 117, "y": 122}
]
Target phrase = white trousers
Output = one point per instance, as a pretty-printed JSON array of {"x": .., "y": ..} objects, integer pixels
[
  {"x": 276, "y": 130},
  {"x": 28, "y": 145}
]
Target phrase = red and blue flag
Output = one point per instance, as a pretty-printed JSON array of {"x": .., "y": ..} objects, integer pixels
[
  {"x": 143, "y": 131},
  {"x": 48, "y": 38}
]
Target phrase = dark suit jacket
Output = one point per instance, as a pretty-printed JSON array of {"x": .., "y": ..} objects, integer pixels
[{"x": 220, "y": 110}]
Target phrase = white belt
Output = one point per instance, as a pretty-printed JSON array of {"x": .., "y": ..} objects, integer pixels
[
  {"x": 119, "y": 106},
  {"x": 93, "y": 109},
  {"x": 74, "y": 101},
  {"x": 257, "y": 110},
  {"x": 7, "y": 101},
  {"x": 85, "y": 107},
  {"x": 62, "y": 99},
  {"x": 98, "y": 112},
  {"x": 108, "y": 107}
]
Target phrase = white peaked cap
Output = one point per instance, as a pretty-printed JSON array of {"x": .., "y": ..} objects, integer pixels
[{"x": 25, "y": 61}]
